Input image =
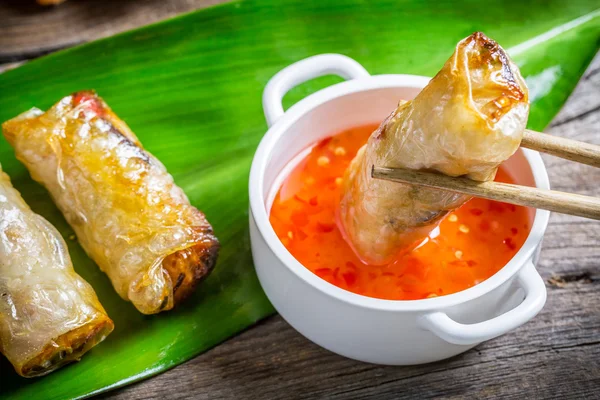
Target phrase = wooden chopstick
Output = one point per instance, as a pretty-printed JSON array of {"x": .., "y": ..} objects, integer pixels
[
  {"x": 573, "y": 150},
  {"x": 561, "y": 202}
]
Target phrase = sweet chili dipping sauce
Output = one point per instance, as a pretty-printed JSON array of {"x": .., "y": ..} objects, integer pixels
[{"x": 471, "y": 245}]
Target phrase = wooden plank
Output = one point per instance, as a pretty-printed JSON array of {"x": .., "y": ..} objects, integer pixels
[
  {"x": 28, "y": 30},
  {"x": 557, "y": 355}
]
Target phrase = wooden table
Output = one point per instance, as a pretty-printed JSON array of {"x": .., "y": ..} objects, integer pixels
[{"x": 557, "y": 355}]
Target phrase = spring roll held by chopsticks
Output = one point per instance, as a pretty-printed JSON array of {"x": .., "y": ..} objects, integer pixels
[
  {"x": 49, "y": 315},
  {"x": 129, "y": 215},
  {"x": 466, "y": 121}
]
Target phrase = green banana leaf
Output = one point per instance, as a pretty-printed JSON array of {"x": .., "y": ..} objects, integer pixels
[{"x": 190, "y": 87}]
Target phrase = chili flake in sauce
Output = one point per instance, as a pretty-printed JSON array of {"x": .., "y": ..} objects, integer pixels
[{"x": 471, "y": 244}]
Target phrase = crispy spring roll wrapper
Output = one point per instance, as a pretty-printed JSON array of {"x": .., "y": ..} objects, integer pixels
[
  {"x": 466, "y": 121},
  {"x": 129, "y": 215},
  {"x": 49, "y": 316}
]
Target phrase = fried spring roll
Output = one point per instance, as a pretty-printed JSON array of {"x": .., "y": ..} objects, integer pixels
[
  {"x": 49, "y": 316},
  {"x": 466, "y": 121},
  {"x": 129, "y": 215}
]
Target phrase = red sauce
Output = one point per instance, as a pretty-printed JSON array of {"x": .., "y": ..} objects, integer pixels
[
  {"x": 474, "y": 241},
  {"x": 91, "y": 99}
]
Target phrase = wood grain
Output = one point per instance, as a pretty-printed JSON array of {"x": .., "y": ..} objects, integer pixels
[
  {"x": 557, "y": 355},
  {"x": 569, "y": 149},
  {"x": 552, "y": 200},
  {"x": 29, "y": 30}
]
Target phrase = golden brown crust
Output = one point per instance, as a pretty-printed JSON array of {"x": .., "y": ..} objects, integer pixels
[
  {"x": 49, "y": 315},
  {"x": 190, "y": 266},
  {"x": 67, "y": 348},
  {"x": 496, "y": 58},
  {"x": 129, "y": 215},
  {"x": 466, "y": 121}
]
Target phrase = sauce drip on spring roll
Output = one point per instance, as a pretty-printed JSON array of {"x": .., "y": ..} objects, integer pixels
[
  {"x": 466, "y": 121},
  {"x": 471, "y": 245}
]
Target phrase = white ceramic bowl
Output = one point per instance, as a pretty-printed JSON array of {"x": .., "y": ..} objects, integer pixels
[{"x": 355, "y": 326}]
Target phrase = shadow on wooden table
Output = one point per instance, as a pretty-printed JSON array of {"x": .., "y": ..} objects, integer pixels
[
  {"x": 272, "y": 361},
  {"x": 36, "y": 30},
  {"x": 31, "y": 7},
  {"x": 28, "y": 30}
]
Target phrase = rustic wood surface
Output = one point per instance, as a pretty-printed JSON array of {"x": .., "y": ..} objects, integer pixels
[
  {"x": 557, "y": 355},
  {"x": 28, "y": 30}
]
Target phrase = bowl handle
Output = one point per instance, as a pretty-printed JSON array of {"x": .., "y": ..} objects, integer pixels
[
  {"x": 302, "y": 71},
  {"x": 451, "y": 331}
]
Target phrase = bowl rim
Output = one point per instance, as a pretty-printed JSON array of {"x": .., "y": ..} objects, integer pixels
[{"x": 258, "y": 210}]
